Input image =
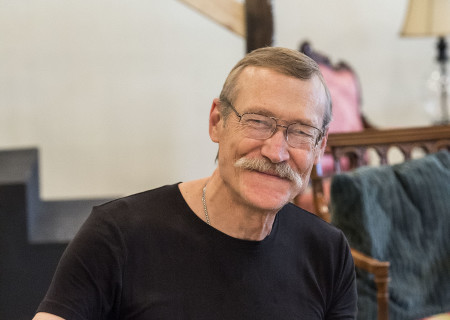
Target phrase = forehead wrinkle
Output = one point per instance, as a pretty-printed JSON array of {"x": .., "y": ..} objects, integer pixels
[{"x": 255, "y": 80}]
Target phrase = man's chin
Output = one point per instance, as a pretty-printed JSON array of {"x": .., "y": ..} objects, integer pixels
[
  {"x": 267, "y": 191},
  {"x": 264, "y": 204}
]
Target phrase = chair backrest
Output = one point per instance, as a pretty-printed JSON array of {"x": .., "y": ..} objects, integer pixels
[
  {"x": 345, "y": 91},
  {"x": 355, "y": 145}
]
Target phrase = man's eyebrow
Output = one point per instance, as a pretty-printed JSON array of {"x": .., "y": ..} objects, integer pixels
[
  {"x": 261, "y": 110},
  {"x": 269, "y": 113}
]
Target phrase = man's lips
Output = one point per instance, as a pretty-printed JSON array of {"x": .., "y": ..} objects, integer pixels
[{"x": 270, "y": 173}]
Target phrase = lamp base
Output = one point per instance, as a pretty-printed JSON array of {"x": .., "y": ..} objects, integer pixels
[{"x": 442, "y": 59}]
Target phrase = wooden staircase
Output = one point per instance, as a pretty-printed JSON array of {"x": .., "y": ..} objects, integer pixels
[{"x": 33, "y": 233}]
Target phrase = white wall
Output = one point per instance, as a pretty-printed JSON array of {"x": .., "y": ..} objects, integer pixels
[{"x": 116, "y": 94}]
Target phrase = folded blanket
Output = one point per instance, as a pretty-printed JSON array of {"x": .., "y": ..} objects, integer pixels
[{"x": 400, "y": 214}]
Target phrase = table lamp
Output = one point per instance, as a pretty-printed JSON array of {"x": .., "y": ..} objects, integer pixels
[{"x": 431, "y": 18}]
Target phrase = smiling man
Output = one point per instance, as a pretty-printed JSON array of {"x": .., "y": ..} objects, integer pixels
[{"x": 229, "y": 246}]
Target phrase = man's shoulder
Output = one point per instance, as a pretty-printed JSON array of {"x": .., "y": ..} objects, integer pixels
[
  {"x": 147, "y": 205},
  {"x": 313, "y": 234},
  {"x": 306, "y": 221},
  {"x": 157, "y": 196}
]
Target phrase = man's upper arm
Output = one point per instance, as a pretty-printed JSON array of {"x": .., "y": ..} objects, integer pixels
[
  {"x": 345, "y": 303},
  {"x": 46, "y": 316},
  {"x": 87, "y": 281}
]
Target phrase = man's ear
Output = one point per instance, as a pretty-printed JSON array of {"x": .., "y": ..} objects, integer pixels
[
  {"x": 215, "y": 121},
  {"x": 321, "y": 148}
]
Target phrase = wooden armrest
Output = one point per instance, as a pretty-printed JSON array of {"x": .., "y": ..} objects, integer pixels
[
  {"x": 320, "y": 202},
  {"x": 321, "y": 206},
  {"x": 380, "y": 269},
  {"x": 369, "y": 264}
]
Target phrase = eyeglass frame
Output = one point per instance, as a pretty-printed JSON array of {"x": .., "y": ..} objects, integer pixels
[{"x": 318, "y": 138}]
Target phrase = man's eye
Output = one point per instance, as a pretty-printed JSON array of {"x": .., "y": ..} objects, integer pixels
[
  {"x": 262, "y": 123},
  {"x": 299, "y": 132}
]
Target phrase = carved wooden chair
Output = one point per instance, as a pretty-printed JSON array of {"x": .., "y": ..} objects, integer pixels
[
  {"x": 345, "y": 91},
  {"x": 407, "y": 142}
]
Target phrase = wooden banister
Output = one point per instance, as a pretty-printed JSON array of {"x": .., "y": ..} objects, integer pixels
[
  {"x": 252, "y": 20},
  {"x": 228, "y": 13}
]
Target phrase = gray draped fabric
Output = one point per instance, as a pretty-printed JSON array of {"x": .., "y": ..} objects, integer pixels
[{"x": 400, "y": 214}]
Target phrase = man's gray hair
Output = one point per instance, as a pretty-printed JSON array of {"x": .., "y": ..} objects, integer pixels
[{"x": 285, "y": 61}]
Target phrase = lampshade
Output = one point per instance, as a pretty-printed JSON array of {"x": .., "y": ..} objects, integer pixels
[{"x": 427, "y": 18}]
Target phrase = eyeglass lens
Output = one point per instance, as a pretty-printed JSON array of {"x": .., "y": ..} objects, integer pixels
[{"x": 262, "y": 127}]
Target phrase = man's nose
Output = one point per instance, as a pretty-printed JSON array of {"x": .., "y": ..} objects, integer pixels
[{"x": 275, "y": 148}]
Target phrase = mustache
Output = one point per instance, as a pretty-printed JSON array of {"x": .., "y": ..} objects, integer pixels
[{"x": 283, "y": 170}]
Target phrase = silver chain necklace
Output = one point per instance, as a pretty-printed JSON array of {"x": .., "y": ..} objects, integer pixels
[{"x": 204, "y": 205}]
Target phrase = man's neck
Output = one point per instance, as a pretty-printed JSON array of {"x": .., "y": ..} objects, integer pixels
[{"x": 231, "y": 217}]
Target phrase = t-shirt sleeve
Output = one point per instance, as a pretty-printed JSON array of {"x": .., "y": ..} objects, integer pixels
[
  {"x": 88, "y": 280},
  {"x": 344, "y": 303}
]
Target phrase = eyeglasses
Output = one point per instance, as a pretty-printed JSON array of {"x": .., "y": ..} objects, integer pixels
[{"x": 298, "y": 135}]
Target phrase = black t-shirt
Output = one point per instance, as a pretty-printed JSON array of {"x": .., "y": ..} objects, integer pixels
[{"x": 148, "y": 256}]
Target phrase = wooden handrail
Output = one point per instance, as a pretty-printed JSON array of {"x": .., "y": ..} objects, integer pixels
[
  {"x": 355, "y": 144},
  {"x": 388, "y": 136}
]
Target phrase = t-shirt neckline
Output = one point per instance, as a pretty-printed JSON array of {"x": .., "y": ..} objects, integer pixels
[{"x": 217, "y": 235}]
